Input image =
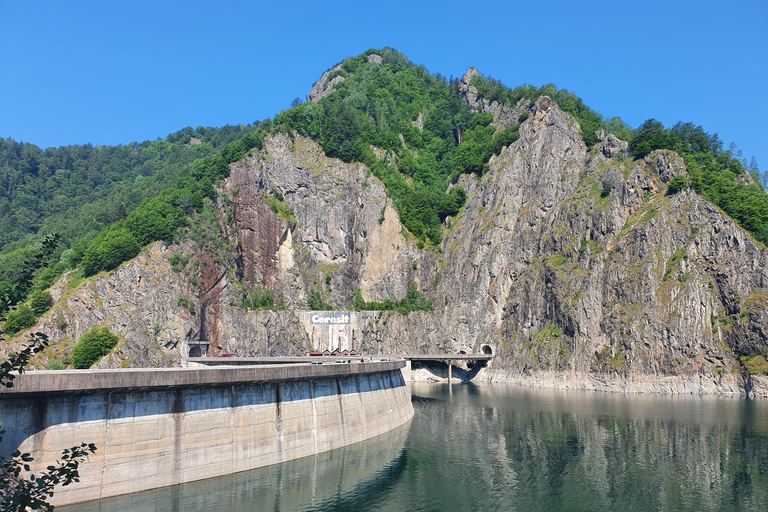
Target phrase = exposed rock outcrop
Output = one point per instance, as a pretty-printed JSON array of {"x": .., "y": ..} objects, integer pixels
[
  {"x": 324, "y": 86},
  {"x": 503, "y": 115},
  {"x": 611, "y": 146},
  {"x": 567, "y": 284}
]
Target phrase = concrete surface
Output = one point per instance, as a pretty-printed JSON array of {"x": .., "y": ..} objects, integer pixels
[{"x": 155, "y": 428}]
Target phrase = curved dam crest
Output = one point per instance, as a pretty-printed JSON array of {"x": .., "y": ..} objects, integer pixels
[{"x": 155, "y": 428}]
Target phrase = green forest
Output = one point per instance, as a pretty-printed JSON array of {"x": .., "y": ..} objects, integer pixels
[
  {"x": 91, "y": 196},
  {"x": 718, "y": 175},
  {"x": 106, "y": 203}
]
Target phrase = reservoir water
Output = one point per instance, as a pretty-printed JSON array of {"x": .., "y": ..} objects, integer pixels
[{"x": 503, "y": 447}]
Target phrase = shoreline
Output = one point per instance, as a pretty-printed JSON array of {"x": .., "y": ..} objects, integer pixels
[{"x": 747, "y": 386}]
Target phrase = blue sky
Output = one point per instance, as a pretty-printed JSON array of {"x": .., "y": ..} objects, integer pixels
[{"x": 82, "y": 71}]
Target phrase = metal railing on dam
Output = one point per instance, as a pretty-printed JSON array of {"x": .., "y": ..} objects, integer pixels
[{"x": 159, "y": 427}]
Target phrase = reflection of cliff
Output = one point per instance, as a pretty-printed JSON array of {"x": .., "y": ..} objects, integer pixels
[
  {"x": 558, "y": 451},
  {"x": 345, "y": 476}
]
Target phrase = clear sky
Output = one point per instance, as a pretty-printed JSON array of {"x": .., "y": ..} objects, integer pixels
[{"x": 80, "y": 71}]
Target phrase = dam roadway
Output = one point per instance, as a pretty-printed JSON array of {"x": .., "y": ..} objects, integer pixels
[
  {"x": 160, "y": 427},
  {"x": 256, "y": 360},
  {"x": 317, "y": 360}
]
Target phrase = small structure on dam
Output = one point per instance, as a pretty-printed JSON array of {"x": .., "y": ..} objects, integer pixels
[
  {"x": 160, "y": 427},
  {"x": 332, "y": 330}
]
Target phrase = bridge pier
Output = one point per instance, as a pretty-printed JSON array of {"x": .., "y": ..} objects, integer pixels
[
  {"x": 449, "y": 358},
  {"x": 406, "y": 371}
]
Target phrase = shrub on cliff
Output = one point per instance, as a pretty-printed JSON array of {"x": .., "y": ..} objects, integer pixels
[
  {"x": 110, "y": 249},
  {"x": 315, "y": 303},
  {"x": 756, "y": 365},
  {"x": 677, "y": 184},
  {"x": 413, "y": 301},
  {"x": 94, "y": 345},
  {"x": 19, "y": 319},
  {"x": 40, "y": 302},
  {"x": 261, "y": 298}
]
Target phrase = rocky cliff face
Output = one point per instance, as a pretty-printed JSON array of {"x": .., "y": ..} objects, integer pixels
[
  {"x": 341, "y": 234},
  {"x": 503, "y": 115},
  {"x": 324, "y": 86},
  {"x": 574, "y": 267},
  {"x": 561, "y": 279}
]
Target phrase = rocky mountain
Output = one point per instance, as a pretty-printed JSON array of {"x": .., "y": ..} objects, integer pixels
[{"x": 576, "y": 267}]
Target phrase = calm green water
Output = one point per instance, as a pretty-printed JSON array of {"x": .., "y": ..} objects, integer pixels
[{"x": 498, "y": 447}]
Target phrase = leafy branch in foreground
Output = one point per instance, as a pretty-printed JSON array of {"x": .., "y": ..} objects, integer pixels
[
  {"x": 16, "y": 363},
  {"x": 19, "y": 492}
]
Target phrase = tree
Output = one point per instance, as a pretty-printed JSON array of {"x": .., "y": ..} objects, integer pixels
[
  {"x": 109, "y": 250},
  {"x": 315, "y": 302},
  {"x": 40, "y": 302},
  {"x": 19, "y": 319},
  {"x": 17, "y": 291},
  {"x": 677, "y": 184},
  {"x": 451, "y": 203},
  {"x": 650, "y": 136},
  {"x": 19, "y": 492},
  {"x": 606, "y": 191},
  {"x": 94, "y": 345}
]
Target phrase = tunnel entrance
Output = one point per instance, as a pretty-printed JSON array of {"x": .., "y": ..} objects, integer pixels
[
  {"x": 197, "y": 349},
  {"x": 487, "y": 350}
]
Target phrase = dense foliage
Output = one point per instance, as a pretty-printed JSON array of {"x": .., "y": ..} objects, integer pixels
[
  {"x": 590, "y": 121},
  {"x": 73, "y": 190},
  {"x": 718, "y": 175},
  {"x": 315, "y": 302},
  {"x": 260, "y": 298},
  {"x": 19, "y": 317},
  {"x": 94, "y": 345},
  {"x": 80, "y": 191},
  {"x": 373, "y": 117},
  {"x": 413, "y": 301},
  {"x": 411, "y": 128}
]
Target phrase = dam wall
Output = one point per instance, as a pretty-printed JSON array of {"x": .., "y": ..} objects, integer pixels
[{"x": 161, "y": 427}]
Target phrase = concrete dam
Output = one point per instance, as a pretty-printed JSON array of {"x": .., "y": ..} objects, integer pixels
[{"x": 159, "y": 427}]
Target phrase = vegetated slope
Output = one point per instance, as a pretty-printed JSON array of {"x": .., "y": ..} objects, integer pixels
[
  {"x": 414, "y": 131},
  {"x": 75, "y": 191},
  {"x": 572, "y": 262}
]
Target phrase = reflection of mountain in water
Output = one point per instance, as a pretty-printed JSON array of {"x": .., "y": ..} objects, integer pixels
[
  {"x": 502, "y": 447},
  {"x": 527, "y": 449},
  {"x": 340, "y": 479}
]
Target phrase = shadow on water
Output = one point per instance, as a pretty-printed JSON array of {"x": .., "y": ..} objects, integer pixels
[
  {"x": 501, "y": 447},
  {"x": 371, "y": 491},
  {"x": 343, "y": 479},
  {"x": 439, "y": 369}
]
